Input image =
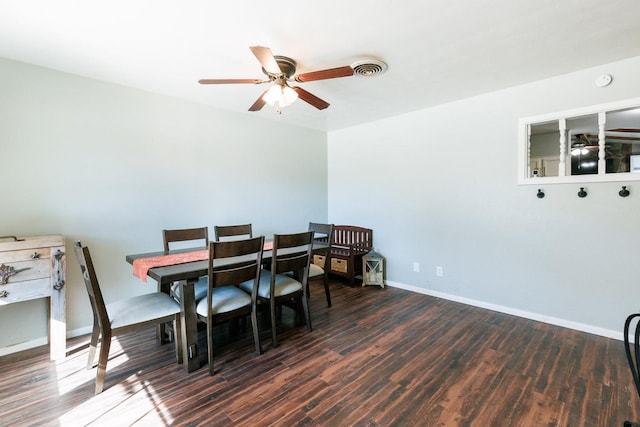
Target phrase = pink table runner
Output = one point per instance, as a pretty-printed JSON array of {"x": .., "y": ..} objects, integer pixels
[{"x": 141, "y": 266}]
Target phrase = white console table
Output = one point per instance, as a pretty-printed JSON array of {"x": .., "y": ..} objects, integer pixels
[{"x": 34, "y": 267}]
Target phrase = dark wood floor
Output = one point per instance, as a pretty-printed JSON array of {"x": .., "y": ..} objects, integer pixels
[{"x": 376, "y": 358}]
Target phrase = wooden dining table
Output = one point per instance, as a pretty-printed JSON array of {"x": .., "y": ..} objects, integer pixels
[{"x": 187, "y": 274}]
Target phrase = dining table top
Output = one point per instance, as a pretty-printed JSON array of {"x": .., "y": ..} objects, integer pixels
[{"x": 193, "y": 269}]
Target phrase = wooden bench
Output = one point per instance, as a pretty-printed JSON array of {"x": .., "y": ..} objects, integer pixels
[{"x": 348, "y": 244}]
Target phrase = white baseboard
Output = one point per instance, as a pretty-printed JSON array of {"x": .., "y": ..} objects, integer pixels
[
  {"x": 14, "y": 348},
  {"x": 618, "y": 335}
]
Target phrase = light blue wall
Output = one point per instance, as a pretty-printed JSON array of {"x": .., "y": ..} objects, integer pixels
[
  {"x": 113, "y": 166},
  {"x": 440, "y": 188}
]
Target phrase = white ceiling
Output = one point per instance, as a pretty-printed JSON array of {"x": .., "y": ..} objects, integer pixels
[{"x": 437, "y": 50}]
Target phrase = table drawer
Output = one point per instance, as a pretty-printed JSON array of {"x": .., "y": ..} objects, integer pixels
[
  {"x": 24, "y": 255},
  {"x": 24, "y": 291},
  {"x": 25, "y": 270}
]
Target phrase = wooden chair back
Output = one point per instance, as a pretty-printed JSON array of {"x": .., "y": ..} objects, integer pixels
[
  {"x": 321, "y": 232},
  {"x": 100, "y": 315},
  {"x": 242, "y": 261},
  {"x": 185, "y": 234},
  {"x": 236, "y": 231},
  {"x": 292, "y": 252}
]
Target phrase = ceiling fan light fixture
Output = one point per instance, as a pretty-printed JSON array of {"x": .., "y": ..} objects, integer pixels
[{"x": 280, "y": 96}]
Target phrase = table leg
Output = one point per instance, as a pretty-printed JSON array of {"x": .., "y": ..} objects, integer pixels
[
  {"x": 189, "y": 325},
  {"x": 161, "y": 330}
]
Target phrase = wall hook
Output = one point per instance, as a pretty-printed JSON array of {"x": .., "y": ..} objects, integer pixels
[
  {"x": 582, "y": 193},
  {"x": 624, "y": 192},
  {"x": 540, "y": 194}
]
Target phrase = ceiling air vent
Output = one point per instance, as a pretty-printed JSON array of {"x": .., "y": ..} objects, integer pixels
[{"x": 369, "y": 67}]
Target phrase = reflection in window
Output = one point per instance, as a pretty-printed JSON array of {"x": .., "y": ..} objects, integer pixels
[
  {"x": 544, "y": 151},
  {"x": 622, "y": 139},
  {"x": 584, "y": 144}
]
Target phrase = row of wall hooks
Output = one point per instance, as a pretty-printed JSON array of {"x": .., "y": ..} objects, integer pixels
[{"x": 583, "y": 193}]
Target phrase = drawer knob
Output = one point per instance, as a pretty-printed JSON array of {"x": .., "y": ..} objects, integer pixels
[
  {"x": 36, "y": 255},
  {"x": 7, "y": 271},
  {"x": 4, "y": 294}
]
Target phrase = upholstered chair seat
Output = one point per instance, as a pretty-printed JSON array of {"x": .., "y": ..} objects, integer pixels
[
  {"x": 225, "y": 300},
  {"x": 284, "y": 284},
  {"x": 199, "y": 289}
]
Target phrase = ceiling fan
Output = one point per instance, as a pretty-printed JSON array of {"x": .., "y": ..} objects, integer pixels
[{"x": 280, "y": 70}]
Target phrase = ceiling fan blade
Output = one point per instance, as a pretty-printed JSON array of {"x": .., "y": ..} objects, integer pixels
[
  {"x": 266, "y": 59},
  {"x": 228, "y": 81},
  {"x": 331, "y": 73},
  {"x": 257, "y": 106},
  {"x": 632, "y": 130},
  {"x": 310, "y": 98}
]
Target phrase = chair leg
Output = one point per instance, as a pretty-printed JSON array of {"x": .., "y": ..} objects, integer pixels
[
  {"x": 326, "y": 290},
  {"x": 256, "y": 330},
  {"x": 299, "y": 311},
  {"x": 95, "y": 335},
  {"x": 177, "y": 336},
  {"x": 210, "y": 346},
  {"x": 102, "y": 362},
  {"x": 307, "y": 315},
  {"x": 272, "y": 306}
]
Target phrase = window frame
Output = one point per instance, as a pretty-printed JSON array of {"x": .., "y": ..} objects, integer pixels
[{"x": 524, "y": 125}]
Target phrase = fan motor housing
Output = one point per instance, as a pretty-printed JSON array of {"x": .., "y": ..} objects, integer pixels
[{"x": 286, "y": 64}]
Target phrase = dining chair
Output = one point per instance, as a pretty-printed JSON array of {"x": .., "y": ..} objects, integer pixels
[
  {"x": 230, "y": 264},
  {"x": 632, "y": 351},
  {"x": 291, "y": 253},
  {"x": 321, "y": 262},
  {"x": 232, "y": 231},
  {"x": 196, "y": 236},
  {"x": 122, "y": 316}
]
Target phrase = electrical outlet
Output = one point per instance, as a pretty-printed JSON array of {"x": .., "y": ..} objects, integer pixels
[
  {"x": 439, "y": 271},
  {"x": 416, "y": 267}
]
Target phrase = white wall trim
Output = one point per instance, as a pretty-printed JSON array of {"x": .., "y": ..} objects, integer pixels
[
  {"x": 23, "y": 346},
  {"x": 618, "y": 335},
  {"x": 42, "y": 341}
]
